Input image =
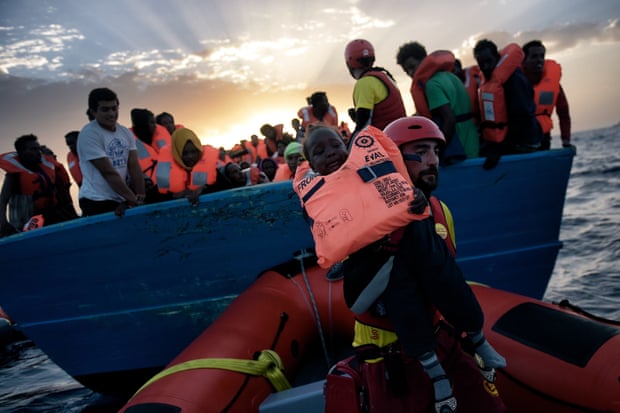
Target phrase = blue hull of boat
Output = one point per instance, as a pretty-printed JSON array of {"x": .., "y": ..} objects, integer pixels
[{"x": 96, "y": 293}]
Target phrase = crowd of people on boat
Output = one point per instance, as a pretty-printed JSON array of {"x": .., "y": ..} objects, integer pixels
[{"x": 501, "y": 106}]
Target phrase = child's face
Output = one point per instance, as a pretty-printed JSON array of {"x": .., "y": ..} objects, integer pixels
[{"x": 326, "y": 151}]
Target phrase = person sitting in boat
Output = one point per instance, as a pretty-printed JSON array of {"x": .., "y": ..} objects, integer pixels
[
  {"x": 229, "y": 176},
  {"x": 544, "y": 75},
  {"x": 507, "y": 111},
  {"x": 150, "y": 139},
  {"x": 166, "y": 120},
  {"x": 292, "y": 156},
  {"x": 273, "y": 134},
  {"x": 419, "y": 265},
  {"x": 440, "y": 95},
  {"x": 257, "y": 149},
  {"x": 73, "y": 161},
  {"x": 35, "y": 184},
  {"x": 269, "y": 166},
  {"x": 319, "y": 110},
  {"x": 186, "y": 167}
]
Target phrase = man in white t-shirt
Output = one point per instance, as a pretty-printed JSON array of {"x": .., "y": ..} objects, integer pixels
[{"x": 111, "y": 176}]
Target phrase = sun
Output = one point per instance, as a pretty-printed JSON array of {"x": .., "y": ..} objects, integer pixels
[{"x": 227, "y": 137}]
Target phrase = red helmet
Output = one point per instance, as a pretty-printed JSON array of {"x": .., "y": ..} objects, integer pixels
[
  {"x": 413, "y": 128},
  {"x": 356, "y": 50}
]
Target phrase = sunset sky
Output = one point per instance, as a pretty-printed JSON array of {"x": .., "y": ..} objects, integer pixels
[{"x": 223, "y": 68}]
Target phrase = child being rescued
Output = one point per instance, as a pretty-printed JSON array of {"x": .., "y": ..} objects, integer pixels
[{"x": 420, "y": 272}]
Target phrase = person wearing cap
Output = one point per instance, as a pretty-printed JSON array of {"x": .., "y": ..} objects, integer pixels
[
  {"x": 376, "y": 97},
  {"x": 292, "y": 156}
]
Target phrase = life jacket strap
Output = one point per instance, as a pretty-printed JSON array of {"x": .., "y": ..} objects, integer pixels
[{"x": 370, "y": 173}]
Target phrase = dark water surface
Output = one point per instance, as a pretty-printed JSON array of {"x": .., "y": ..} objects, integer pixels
[{"x": 586, "y": 273}]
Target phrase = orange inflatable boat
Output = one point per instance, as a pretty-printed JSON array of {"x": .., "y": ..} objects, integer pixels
[
  {"x": 559, "y": 361},
  {"x": 253, "y": 349}
]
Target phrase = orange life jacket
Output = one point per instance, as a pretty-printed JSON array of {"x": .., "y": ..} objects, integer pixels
[
  {"x": 493, "y": 113},
  {"x": 546, "y": 94},
  {"x": 364, "y": 200},
  {"x": 41, "y": 188},
  {"x": 392, "y": 107},
  {"x": 147, "y": 154},
  {"x": 472, "y": 81},
  {"x": 173, "y": 178},
  {"x": 283, "y": 173},
  {"x": 437, "y": 61},
  {"x": 74, "y": 167},
  {"x": 308, "y": 118},
  {"x": 255, "y": 151}
]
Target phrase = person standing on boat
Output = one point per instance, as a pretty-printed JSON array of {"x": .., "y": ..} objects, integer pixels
[
  {"x": 112, "y": 177},
  {"x": 35, "y": 185},
  {"x": 440, "y": 95},
  {"x": 507, "y": 111},
  {"x": 544, "y": 75},
  {"x": 376, "y": 97}
]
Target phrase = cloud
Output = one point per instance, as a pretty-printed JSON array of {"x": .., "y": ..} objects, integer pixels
[
  {"x": 40, "y": 48},
  {"x": 557, "y": 39}
]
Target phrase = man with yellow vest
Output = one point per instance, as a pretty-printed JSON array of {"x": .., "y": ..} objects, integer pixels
[{"x": 544, "y": 75}]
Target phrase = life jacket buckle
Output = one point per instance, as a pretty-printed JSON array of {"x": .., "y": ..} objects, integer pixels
[{"x": 367, "y": 173}]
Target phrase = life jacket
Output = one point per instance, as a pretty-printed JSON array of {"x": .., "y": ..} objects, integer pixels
[
  {"x": 254, "y": 152},
  {"x": 74, "y": 167},
  {"x": 437, "y": 61},
  {"x": 473, "y": 78},
  {"x": 308, "y": 118},
  {"x": 173, "y": 178},
  {"x": 344, "y": 130},
  {"x": 364, "y": 200},
  {"x": 492, "y": 101},
  {"x": 546, "y": 94},
  {"x": 41, "y": 186},
  {"x": 254, "y": 176},
  {"x": 147, "y": 154},
  {"x": 283, "y": 173},
  {"x": 392, "y": 107}
]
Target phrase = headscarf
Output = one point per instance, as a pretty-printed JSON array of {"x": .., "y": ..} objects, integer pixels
[
  {"x": 292, "y": 148},
  {"x": 178, "y": 140}
]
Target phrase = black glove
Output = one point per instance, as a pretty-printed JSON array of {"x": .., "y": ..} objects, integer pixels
[{"x": 419, "y": 203}]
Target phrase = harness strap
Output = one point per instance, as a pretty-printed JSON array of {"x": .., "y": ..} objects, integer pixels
[
  {"x": 268, "y": 365},
  {"x": 370, "y": 173}
]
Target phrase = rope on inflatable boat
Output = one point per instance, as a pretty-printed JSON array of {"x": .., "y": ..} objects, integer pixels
[
  {"x": 268, "y": 365},
  {"x": 300, "y": 257}
]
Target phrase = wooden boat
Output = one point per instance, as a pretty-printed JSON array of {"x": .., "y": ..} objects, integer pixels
[
  {"x": 94, "y": 293},
  {"x": 558, "y": 360}
]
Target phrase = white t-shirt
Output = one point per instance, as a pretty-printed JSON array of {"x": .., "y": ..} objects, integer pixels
[{"x": 95, "y": 142}]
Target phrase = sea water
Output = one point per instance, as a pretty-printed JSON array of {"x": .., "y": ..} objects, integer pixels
[{"x": 586, "y": 273}]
